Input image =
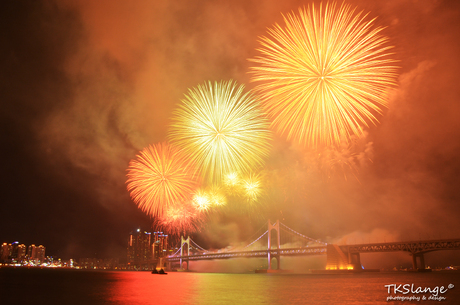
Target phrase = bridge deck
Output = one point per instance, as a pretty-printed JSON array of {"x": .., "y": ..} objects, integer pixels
[
  {"x": 417, "y": 247},
  {"x": 422, "y": 246},
  {"x": 257, "y": 253}
]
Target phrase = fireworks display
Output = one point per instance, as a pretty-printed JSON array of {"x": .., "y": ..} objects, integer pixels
[
  {"x": 203, "y": 200},
  {"x": 231, "y": 179},
  {"x": 160, "y": 178},
  {"x": 324, "y": 75},
  {"x": 321, "y": 79},
  {"x": 252, "y": 187},
  {"x": 180, "y": 219},
  {"x": 222, "y": 129},
  {"x": 216, "y": 196},
  {"x": 212, "y": 119}
]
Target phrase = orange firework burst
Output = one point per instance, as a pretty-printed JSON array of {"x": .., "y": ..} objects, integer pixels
[
  {"x": 160, "y": 177},
  {"x": 324, "y": 75},
  {"x": 180, "y": 219}
]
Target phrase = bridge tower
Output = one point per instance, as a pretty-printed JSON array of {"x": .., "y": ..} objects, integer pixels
[
  {"x": 414, "y": 261},
  {"x": 184, "y": 242},
  {"x": 275, "y": 227}
]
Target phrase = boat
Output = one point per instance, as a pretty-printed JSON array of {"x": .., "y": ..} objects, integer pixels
[{"x": 155, "y": 271}]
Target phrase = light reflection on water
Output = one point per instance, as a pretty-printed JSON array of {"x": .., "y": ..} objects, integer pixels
[{"x": 80, "y": 287}]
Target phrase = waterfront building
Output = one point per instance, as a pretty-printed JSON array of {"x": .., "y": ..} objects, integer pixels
[
  {"x": 160, "y": 245},
  {"x": 6, "y": 252},
  {"x": 16, "y": 253},
  {"x": 139, "y": 246},
  {"x": 30, "y": 251},
  {"x": 41, "y": 254},
  {"x": 36, "y": 254},
  {"x": 145, "y": 249},
  {"x": 21, "y": 253}
]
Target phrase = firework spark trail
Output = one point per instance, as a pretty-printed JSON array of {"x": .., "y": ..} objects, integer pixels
[
  {"x": 325, "y": 75},
  {"x": 159, "y": 178},
  {"x": 222, "y": 129}
]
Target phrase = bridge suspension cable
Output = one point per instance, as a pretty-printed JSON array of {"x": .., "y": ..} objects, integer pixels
[
  {"x": 256, "y": 240},
  {"x": 303, "y": 236},
  {"x": 178, "y": 250},
  {"x": 197, "y": 246},
  {"x": 251, "y": 238},
  {"x": 283, "y": 228},
  {"x": 257, "y": 232}
]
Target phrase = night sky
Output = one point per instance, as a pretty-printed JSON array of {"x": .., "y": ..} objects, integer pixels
[{"x": 85, "y": 85}]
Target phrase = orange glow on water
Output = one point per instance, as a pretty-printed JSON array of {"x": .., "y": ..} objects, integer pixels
[{"x": 147, "y": 288}]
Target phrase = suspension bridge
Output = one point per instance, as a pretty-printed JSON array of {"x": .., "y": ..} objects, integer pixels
[{"x": 280, "y": 240}]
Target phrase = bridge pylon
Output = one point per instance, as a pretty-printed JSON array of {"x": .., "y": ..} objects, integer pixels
[
  {"x": 414, "y": 261},
  {"x": 275, "y": 227},
  {"x": 184, "y": 242}
]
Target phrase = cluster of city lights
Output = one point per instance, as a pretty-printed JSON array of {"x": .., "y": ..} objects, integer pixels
[{"x": 18, "y": 255}]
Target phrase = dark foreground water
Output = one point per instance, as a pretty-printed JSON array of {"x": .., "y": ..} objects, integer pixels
[{"x": 45, "y": 286}]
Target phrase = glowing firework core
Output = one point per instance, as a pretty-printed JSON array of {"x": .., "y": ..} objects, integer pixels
[{"x": 222, "y": 129}]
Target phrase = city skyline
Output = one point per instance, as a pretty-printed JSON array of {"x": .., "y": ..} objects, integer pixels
[
  {"x": 87, "y": 85},
  {"x": 143, "y": 250}
]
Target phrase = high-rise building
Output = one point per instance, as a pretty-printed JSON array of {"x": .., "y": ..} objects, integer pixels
[
  {"x": 41, "y": 254},
  {"x": 139, "y": 246},
  {"x": 160, "y": 245},
  {"x": 36, "y": 254},
  {"x": 21, "y": 253},
  {"x": 30, "y": 251},
  {"x": 6, "y": 252},
  {"x": 12, "y": 253},
  {"x": 18, "y": 253}
]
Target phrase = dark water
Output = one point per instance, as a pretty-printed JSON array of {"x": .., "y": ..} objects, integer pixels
[{"x": 35, "y": 286}]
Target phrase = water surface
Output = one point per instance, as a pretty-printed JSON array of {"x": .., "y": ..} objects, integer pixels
[{"x": 45, "y": 286}]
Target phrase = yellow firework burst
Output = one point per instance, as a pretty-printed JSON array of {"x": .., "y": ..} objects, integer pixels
[
  {"x": 203, "y": 200},
  {"x": 231, "y": 179},
  {"x": 222, "y": 129},
  {"x": 325, "y": 75},
  {"x": 160, "y": 177},
  {"x": 252, "y": 187}
]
